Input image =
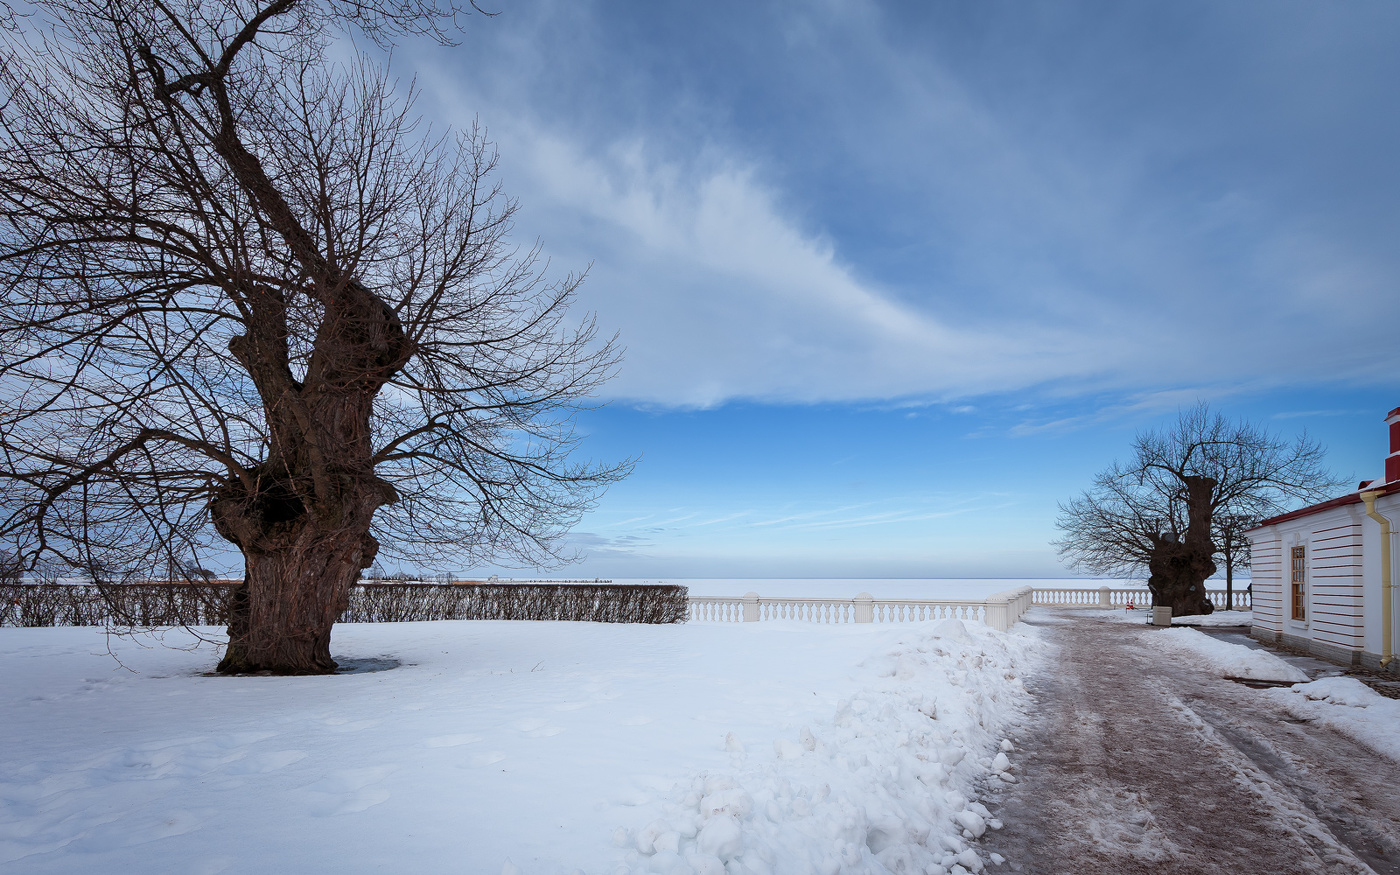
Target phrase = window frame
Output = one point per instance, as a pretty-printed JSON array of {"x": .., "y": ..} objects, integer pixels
[{"x": 1298, "y": 580}]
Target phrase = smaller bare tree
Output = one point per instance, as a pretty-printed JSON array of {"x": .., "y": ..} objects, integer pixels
[
  {"x": 1233, "y": 547},
  {"x": 1207, "y": 478}
]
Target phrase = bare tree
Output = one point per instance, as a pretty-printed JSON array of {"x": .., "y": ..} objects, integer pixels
[
  {"x": 1233, "y": 547},
  {"x": 1205, "y": 478},
  {"x": 246, "y": 295}
]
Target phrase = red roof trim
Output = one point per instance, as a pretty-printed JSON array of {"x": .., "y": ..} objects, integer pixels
[{"x": 1353, "y": 498}]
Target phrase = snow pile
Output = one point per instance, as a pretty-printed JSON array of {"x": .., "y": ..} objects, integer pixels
[
  {"x": 1218, "y": 618},
  {"x": 1226, "y": 659},
  {"x": 1350, "y": 707},
  {"x": 1143, "y": 615},
  {"x": 885, "y": 784}
]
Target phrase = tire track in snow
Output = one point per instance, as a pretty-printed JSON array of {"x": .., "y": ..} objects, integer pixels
[
  {"x": 1350, "y": 816},
  {"x": 1121, "y": 775}
]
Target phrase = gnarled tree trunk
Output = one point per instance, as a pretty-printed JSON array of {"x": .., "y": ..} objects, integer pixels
[
  {"x": 1179, "y": 566},
  {"x": 302, "y": 518},
  {"x": 298, "y": 574}
]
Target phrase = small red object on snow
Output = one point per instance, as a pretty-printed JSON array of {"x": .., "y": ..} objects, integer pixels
[{"x": 1130, "y": 606}]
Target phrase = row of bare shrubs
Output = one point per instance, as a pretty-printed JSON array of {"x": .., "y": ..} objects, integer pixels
[
  {"x": 200, "y": 604},
  {"x": 114, "y": 604},
  {"x": 592, "y": 602}
]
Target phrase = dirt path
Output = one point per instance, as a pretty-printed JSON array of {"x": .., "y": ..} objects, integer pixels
[{"x": 1135, "y": 765}]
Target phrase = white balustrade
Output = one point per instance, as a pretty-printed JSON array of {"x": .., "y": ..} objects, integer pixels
[
  {"x": 1104, "y": 597},
  {"x": 1000, "y": 611}
]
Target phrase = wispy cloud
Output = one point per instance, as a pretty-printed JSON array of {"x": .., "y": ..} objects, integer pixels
[
  {"x": 1312, "y": 414},
  {"x": 806, "y": 515},
  {"x": 995, "y": 240},
  {"x": 1133, "y": 408}
]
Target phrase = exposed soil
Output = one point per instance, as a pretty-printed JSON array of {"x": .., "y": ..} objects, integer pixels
[{"x": 1136, "y": 765}]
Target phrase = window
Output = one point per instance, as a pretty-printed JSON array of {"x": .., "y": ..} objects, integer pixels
[{"x": 1300, "y": 574}]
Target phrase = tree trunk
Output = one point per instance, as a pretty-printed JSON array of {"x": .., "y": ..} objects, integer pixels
[
  {"x": 1229, "y": 577},
  {"x": 297, "y": 579},
  {"x": 288, "y": 603},
  {"x": 302, "y": 518},
  {"x": 1179, "y": 567}
]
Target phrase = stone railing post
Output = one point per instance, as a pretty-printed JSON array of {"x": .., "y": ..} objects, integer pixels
[
  {"x": 750, "y": 607},
  {"x": 998, "y": 614},
  {"x": 1105, "y": 598},
  {"x": 865, "y": 608}
]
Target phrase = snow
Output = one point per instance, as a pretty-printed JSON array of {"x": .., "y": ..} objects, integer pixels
[
  {"x": 1144, "y": 615},
  {"x": 1218, "y": 618},
  {"x": 1348, "y": 706},
  {"x": 499, "y": 747},
  {"x": 1223, "y": 658}
]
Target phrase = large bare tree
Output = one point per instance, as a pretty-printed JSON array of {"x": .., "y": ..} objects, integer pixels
[
  {"x": 246, "y": 295},
  {"x": 1184, "y": 498}
]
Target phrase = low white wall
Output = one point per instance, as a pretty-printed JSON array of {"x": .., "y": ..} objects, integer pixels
[{"x": 1000, "y": 610}]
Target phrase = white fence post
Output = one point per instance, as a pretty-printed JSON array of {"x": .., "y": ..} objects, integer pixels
[
  {"x": 751, "y": 607},
  {"x": 865, "y": 608},
  {"x": 1105, "y": 598}
]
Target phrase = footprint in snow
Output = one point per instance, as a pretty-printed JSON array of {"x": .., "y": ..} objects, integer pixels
[
  {"x": 537, "y": 728},
  {"x": 264, "y": 763},
  {"x": 342, "y": 724},
  {"x": 451, "y": 740},
  {"x": 349, "y": 791}
]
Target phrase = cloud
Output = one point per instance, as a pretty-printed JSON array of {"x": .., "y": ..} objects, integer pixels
[
  {"x": 718, "y": 295},
  {"x": 870, "y": 215}
]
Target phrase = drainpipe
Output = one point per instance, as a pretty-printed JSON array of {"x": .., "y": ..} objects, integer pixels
[{"x": 1370, "y": 499}]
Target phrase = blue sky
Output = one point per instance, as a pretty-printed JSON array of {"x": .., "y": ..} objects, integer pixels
[{"x": 896, "y": 278}]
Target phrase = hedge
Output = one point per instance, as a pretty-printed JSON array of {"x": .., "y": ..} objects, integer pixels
[{"x": 201, "y": 604}]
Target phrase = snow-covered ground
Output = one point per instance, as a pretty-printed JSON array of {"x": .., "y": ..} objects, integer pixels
[
  {"x": 1218, "y": 618},
  {"x": 512, "y": 747},
  {"x": 1144, "y": 615},
  {"x": 1343, "y": 703},
  {"x": 1226, "y": 659},
  {"x": 1350, "y": 707}
]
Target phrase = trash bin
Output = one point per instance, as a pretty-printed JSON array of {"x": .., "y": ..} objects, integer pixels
[{"x": 1161, "y": 615}]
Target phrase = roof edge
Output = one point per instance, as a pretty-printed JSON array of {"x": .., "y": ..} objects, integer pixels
[{"x": 1343, "y": 501}]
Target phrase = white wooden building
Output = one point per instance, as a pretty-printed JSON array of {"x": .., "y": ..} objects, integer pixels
[{"x": 1318, "y": 571}]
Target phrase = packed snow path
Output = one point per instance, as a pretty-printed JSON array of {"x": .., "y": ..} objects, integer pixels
[{"x": 1137, "y": 762}]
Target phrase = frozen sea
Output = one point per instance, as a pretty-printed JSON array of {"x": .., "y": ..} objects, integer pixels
[{"x": 880, "y": 588}]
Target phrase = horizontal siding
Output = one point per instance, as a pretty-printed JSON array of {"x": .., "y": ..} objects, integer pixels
[
  {"x": 1266, "y": 593},
  {"x": 1335, "y": 585}
]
